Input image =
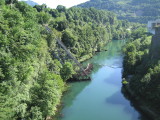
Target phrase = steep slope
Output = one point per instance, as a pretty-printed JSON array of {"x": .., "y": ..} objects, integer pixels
[
  {"x": 33, "y": 67},
  {"x": 133, "y": 10},
  {"x": 141, "y": 64}
]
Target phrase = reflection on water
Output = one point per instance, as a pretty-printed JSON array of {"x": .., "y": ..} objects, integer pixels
[{"x": 101, "y": 98}]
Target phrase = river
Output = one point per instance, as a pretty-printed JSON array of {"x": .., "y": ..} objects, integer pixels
[{"x": 100, "y": 98}]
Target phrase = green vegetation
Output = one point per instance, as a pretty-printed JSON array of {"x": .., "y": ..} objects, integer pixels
[
  {"x": 133, "y": 10},
  {"x": 124, "y": 81},
  {"x": 33, "y": 67},
  {"x": 67, "y": 71},
  {"x": 144, "y": 69},
  {"x": 30, "y": 87}
]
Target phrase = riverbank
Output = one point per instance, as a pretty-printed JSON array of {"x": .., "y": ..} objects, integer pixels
[
  {"x": 87, "y": 57},
  {"x": 100, "y": 98},
  {"x": 58, "y": 114},
  {"x": 139, "y": 103},
  {"x": 76, "y": 77}
]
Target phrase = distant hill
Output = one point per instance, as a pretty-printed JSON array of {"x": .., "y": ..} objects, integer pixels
[
  {"x": 31, "y": 3},
  {"x": 133, "y": 10}
]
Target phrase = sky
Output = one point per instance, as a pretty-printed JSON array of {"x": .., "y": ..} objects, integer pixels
[{"x": 54, "y": 3}]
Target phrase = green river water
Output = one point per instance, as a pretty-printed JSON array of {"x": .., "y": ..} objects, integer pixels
[{"x": 100, "y": 98}]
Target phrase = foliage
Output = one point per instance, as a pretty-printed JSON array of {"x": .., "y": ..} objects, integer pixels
[
  {"x": 46, "y": 94},
  {"x": 135, "y": 52},
  {"x": 33, "y": 67},
  {"x": 144, "y": 69},
  {"x": 24, "y": 59},
  {"x": 133, "y": 10},
  {"x": 67, "y": 71},
  {"x": 124, "y": 82}
]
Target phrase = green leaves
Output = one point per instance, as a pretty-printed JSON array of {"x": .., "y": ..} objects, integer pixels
[
  {"x": 61, "y": 8},
  {"x": 23, "y": 57},
  {"x": 133, "y": 10},
  {"x": 67, "y": 71},
  {"x": 11, "y": 1},
  {"x": 43, "y": 18},
  {"x": 2, "y": 2},
  {"x": 68, "y": 38},
  {"x": 36, "y": 113},
  {"x": 46, "y": 94},
  {"x": 145, "y": 70},
  {"x": 13, "y": 17},
  {"x": 32, "y": 76}
]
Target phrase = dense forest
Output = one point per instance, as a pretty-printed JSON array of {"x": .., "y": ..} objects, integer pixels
[
  {"x": 33, "y": 67},
  {"x": 133, "y": 10},
  {"x": 142, "y": 69}
]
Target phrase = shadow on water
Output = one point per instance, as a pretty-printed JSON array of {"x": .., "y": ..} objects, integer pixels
[
  {"x": 118, "y": 99},
  {"x": 135, "y": 104},
  {"x": 75, "y": 89}
]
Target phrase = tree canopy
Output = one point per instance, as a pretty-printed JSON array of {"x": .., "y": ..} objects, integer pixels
[
  {"x": 133, "y": 10},
  {"x": 33, "y": 67}
]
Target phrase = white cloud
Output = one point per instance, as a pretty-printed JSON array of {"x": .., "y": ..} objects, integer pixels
[{"x": 54, "y": 3}]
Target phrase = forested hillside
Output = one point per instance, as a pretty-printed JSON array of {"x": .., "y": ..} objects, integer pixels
[
  {"x": 133, "y": 10},
  {"x": 142, "y": 70},
  {"x": 33, "y": 67}
]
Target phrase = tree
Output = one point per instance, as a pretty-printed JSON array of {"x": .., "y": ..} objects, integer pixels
[
  {"x": 40, "y": 7},
  {"x": 43, "y": 18},
  {"x": 67, "y": 71},
  {"x": 36, "y": 113},
  {"x": 2, "y": 2},
  {"x": 11, "y": 1},
  {"x": 68, "y": 38},
  {"x": 46, "y": 94},
  {"x": 61, "y": 8}
]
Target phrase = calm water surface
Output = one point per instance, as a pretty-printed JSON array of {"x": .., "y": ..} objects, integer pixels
[{"x": 101, "y": 98}]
